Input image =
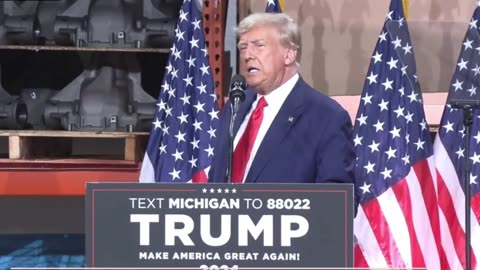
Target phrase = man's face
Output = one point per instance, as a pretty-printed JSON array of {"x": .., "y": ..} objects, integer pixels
[{"x": 263, "y": 59}]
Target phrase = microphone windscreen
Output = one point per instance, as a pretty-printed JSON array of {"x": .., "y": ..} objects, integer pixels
[
  {"x": 237, "y": 87},
  {"x": 238, "y": 80}
]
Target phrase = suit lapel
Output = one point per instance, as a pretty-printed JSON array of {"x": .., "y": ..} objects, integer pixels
[{"x": 290, "y": 111}]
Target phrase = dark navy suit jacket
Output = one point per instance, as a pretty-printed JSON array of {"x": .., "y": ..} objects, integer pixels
[{"x": 309, "y": 141}]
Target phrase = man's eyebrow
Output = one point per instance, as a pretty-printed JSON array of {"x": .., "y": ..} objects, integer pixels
[{"x": 243, "y": 42}]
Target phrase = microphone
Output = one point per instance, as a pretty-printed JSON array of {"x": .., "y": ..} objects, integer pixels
[
  {"x": 237, "y": 96},
  {"x": 237, "y": 91},
  {"x": 464, "y": 103}
]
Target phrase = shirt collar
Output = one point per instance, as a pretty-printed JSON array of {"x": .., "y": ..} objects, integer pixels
[{"x": 280, "y": 94}]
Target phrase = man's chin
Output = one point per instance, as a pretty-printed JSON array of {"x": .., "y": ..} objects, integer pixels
[{"x": 252, "y": 81}]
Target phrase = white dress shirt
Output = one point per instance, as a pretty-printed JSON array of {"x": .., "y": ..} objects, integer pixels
[{"x": 275, "y": 100}]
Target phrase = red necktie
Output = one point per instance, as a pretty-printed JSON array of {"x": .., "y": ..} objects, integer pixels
[{"x": 245, "y": 144}]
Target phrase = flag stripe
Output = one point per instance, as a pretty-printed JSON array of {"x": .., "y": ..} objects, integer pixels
[
  {"x": 358, "y": 257},
  {"x": 200, "y": 177},
  {"x": 476, "y": 206},
  {"x": 383, "y": 234},
  {"x": 475, "y": 229},
  {"x": 454, "y": 227},
  {"x": 147, "y": 173},
  {"x": 396, "y": 222},
  {"x": 433, "y": 174},
  {"x": 447, "y": 204},
  {"x": 453, "y": 209},
  {"x": 475, "y": 236},
  {"x": 436, "y": 224},
  {"x": 449, "y": 189},
  {"x": 428, "y": 229},
  {"x": 367, "y": 241},
  {"x": 448, "y": 244},
  {"x": 402, "y": 194}
]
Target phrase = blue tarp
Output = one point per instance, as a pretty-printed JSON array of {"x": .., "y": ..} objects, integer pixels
[{"x": 57, "y": 250}]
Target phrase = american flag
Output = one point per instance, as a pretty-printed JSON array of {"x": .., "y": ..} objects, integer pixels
[
  {"x": 273, "y": 6},
  {"x": 450, "y": 155},
  {"x": 181, "y": 143},
  {"x": 397, "y": 219}
]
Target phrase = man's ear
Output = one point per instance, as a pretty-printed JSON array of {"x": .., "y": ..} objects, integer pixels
[{"x": 290, "y": 56}]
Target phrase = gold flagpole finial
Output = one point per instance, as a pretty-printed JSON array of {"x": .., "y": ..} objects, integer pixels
[
  {"x": 282, "y": 5},
  {"x": 405, "y": 8}
]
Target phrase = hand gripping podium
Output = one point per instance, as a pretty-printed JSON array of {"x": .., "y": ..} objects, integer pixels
[{"x": 219, "y": 226}]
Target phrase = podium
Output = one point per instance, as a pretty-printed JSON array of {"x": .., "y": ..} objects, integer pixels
[{"x": 219, "y": 226}]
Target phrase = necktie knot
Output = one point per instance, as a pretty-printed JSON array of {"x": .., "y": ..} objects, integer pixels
[{"x": 262, "y": 103}]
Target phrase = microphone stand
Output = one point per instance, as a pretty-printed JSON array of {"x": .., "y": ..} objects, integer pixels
[
  {"x": 467, "y": 122},
  {"x": 467, "y": 107},
  {"x": 234, "y": 108}
]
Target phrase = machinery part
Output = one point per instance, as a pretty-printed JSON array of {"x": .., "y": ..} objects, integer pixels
[
  {"x": 13, "y": 112},
  {"x": 91, "y": 23},
  {"x": 46, "y": 14},
  {"x": 18, "y": 23},
  {"x": 107, "y": 97},
  {"x": 117, "y": 23},
  {"x": 35, "y": 100}
]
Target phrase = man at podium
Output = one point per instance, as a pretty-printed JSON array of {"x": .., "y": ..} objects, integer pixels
[{"x": 284, "y": 131}]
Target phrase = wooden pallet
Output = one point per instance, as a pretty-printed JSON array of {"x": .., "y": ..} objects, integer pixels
[
  {"x": 41, "y": 145},
  {"x": 81, "y": 49}
]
